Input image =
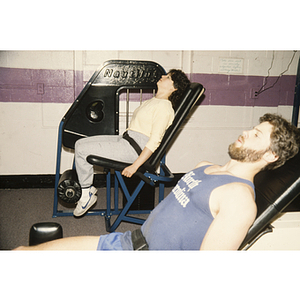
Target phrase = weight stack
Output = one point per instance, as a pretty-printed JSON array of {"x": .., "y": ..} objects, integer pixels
[{"x": 69, "y": 189}]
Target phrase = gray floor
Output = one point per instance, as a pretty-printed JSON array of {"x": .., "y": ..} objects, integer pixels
[{"x": 21, "y": 208}]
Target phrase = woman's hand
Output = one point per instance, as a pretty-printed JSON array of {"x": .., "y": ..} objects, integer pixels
[{"x": 129, "y": 171}]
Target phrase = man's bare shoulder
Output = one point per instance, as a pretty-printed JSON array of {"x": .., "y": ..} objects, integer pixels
[
  {"x": 203, "y": 163},
  {"x": 234, "y": 210},
  {"x": 239, "y": 196}
]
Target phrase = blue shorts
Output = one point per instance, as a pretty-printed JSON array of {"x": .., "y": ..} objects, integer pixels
[{"x": 110, "y": 241}]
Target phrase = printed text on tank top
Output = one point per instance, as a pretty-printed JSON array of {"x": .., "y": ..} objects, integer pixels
[{"x": 215, "y": 196}]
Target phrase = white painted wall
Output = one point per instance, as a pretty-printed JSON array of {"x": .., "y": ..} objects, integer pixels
[
  {"x": 29, "y": 130},
  {"x": 254, "y": 62}
]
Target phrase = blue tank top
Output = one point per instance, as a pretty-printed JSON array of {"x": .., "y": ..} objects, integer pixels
[{"x": 182, "y": 219}]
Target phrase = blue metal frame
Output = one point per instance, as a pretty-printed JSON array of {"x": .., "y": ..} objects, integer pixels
[
  {"x": 122, "y": 214},
  {"x": 108, "y": 212},
  {"x": 57, "y": 173}
]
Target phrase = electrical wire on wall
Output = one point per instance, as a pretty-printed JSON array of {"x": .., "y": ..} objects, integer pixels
[{"x": 262, "y": 89}]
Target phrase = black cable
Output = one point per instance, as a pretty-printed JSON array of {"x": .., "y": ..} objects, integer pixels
[{"x": 260, "y": 90}]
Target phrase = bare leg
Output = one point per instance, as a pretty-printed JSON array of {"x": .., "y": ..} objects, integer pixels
[{"x": 69, "y": 243}]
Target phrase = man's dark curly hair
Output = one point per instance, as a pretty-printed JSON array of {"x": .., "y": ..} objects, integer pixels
[
  {"x": 285, "y": 139},
  {"x": 181, "y": 82}
]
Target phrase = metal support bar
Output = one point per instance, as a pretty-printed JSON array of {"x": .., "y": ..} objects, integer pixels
[
  {"x": 296, "y": 98},
  {"x": 127, "y": 108},
  {"x": 267, "y": 230},
  {"x": 116, "y": 194},
  {"x": 57, "y": 173},
  {"x": 130, "y": 199},
  {"x": 108, "y": 193},
  {"x": 161, "y": 189}
]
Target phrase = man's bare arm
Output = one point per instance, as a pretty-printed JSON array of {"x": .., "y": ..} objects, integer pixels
[{"x": 237, "y": 212}]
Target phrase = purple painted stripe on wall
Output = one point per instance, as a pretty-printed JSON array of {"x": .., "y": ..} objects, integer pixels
[
  {"x": 48, "y": 86},
  {"x": 236, "y": 90},
  {"x": 63, "y": 86}
]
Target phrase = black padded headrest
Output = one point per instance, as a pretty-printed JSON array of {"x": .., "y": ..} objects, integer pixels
[{"x": 278, "y": 187}]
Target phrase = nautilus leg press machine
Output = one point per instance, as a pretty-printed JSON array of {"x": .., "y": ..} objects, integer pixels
[{"x": 96, "y": 112}]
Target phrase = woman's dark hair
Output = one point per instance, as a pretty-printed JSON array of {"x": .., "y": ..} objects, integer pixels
[
  {"x": 284, "y": 139},
  {"x": 181, "y": 82}
]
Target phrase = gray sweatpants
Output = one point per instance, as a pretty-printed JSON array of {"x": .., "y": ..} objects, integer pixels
[{"x": 108, "y": 146}]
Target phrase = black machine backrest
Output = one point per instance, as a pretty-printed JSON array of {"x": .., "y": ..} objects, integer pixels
[
  {"x": 276, "y": 187},
  {"x": 189, "y": 99},
  {"x": 96, "y": 109},
  {"x": 275, "y": 190}
]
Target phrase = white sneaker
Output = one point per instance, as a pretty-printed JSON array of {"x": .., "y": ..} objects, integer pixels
[{"x": 88, "y": 199}]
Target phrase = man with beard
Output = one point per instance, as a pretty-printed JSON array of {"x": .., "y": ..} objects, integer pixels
[{"x": 212, "y": 207}]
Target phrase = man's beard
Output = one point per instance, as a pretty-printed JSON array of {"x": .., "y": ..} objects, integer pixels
[{"x": 244, "y": 154}]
